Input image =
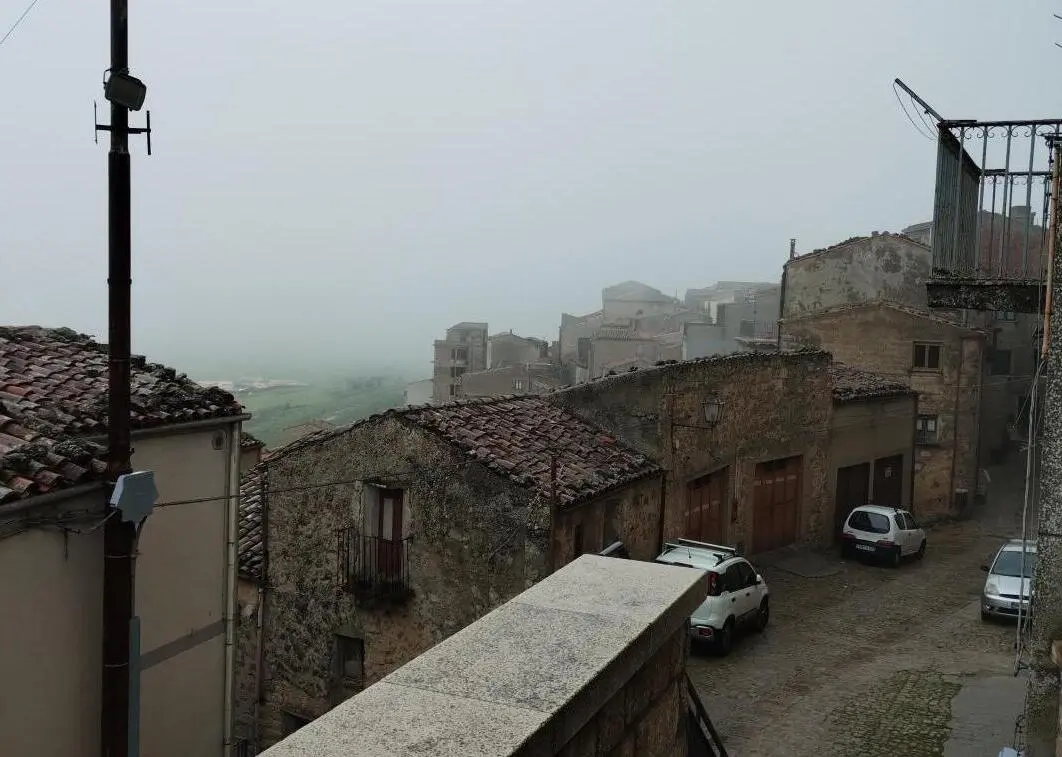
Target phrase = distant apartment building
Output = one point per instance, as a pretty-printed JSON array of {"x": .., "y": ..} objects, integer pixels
[
  {"x": 464, "y": 349},
  {"x": 738, "y": 325},
  {"x": 707, "y": 299},
  {"x": 507, "y": 349}
]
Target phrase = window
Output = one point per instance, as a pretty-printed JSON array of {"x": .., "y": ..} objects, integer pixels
[
  {"x": 577, "y": 541},
  {"x": 873, "y": 523},
  {"x": 460, "y": 353},
  {"x": 290, "y": 722},
  {"x": 350, "y": 661},
  {"x": 926, "y": 357},
  {"x": 746, "y": 574},
  {"x": 518, "y": 384},
  {"x": 926, "y": 429},
  {"x": 909, "y": 522},
  {"x": 1005, "y": 315},
  {"x": 733, "y": 580},
  {"x": 1000, "y": 365},
  {"x": 453, "y": 390},
  {"x": 583, "y": 349}
]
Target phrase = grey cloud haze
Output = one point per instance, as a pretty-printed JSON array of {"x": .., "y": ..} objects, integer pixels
[{"x": 340, "y": 181}]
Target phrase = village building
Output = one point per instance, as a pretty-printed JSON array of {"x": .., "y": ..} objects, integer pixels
[
  {"x": 940, "y": 359},
  {"x": 707, "y": 299},
  {"x": 508, "y": 349},
  {"x": 746, "y": 440},
  {"x": 373, "y": 542},
  {"x": 633, "y": 299},
  {"x": 464, "y": 349},
  {"x": 527, "y": 378},
  {"x": 897, "y": 268},
  {"x": 53, "y": 500},
  {"x": 741, "y": 324},
  {"x": 251, "y": 451}
]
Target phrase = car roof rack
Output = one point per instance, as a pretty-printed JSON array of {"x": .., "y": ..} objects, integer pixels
[{"x": 706, "y": 545}]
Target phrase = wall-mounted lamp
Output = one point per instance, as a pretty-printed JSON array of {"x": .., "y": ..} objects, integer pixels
[{"x": 713, "y": 410}]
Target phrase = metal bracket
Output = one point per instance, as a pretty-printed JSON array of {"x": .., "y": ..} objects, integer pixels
[{"x": 145, "y": 130}]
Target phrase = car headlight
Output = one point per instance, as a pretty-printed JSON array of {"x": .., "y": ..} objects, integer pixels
[{"x": 991, "y": 588}]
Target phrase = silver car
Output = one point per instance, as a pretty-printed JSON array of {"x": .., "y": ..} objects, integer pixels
[{"x": 1009, "y": 583}]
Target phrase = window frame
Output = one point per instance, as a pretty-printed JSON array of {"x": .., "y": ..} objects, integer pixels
[
  {"x": 341, "y": 659},
  {"x": 929, "y": 348},
  {"x": 922, "y": 435}
]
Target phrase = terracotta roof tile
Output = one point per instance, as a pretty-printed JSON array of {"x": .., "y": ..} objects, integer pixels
[
  {"x": 53, "y": 394},
  {"x": 850, "y": 384},
  {"x": 250, "y": 545}
]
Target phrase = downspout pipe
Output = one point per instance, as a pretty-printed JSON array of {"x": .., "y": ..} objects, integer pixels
[
  {"x": 232, "y": 508},
  {"x": 955, "y": 418}
]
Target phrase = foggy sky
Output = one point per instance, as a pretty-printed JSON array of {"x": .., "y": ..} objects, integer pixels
[{"x": 339, "y": 181}]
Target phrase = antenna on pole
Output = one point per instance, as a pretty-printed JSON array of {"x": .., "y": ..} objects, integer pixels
[{"x": 914, "y": 96}]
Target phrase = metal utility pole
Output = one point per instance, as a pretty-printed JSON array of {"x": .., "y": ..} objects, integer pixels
[{"x": 119, "y": 536}]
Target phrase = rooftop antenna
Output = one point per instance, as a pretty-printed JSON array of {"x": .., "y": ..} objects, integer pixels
[
  {"x": 1060, "y": 19},
  {"x": 792, "y": 248}
]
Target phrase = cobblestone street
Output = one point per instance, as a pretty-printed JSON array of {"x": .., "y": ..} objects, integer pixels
[{"x": 868, "y": 660}]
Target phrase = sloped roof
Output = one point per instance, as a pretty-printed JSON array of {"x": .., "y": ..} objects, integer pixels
[
  {"x": 854, "y": 306},
  {"x": 851, "y": 384},
  {"x": 516, "y": 437},
  {"x": 250, "y": 441},
  {"x": 250, "y": 546},
  {"x": 53, "y": 394},
  {"x": 635, "y": 291}
]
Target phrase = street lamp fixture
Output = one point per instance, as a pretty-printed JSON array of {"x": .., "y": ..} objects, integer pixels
[
  {"x": 125, "y": 90},
  {"x": 713, "y": 410}
]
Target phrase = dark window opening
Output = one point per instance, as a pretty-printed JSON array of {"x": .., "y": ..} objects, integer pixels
[
  {"x": 1000, "y": 365},
  {"x": 927, "y": 357},
  {"x": 291, "y": 722},
  {"x": 612, "y": 521},
  {"x": 577, "y": 540}
]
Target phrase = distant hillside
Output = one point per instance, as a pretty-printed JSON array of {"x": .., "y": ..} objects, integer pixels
[{"x": 339, "y": 401}]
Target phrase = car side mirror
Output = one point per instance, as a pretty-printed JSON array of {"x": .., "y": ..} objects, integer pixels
[
  {"x": 759, "y": 579},
  {"x": 984, "y": 568}
]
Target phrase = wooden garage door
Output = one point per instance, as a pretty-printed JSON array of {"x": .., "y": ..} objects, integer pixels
[
  {"x": 705, "y": 507},
  {"x": 776, "y": 504},
  {"x": 853, "y": 490},
  {"x": 888, "y": 481}
]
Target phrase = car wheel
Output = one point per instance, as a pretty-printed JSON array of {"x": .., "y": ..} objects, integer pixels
[
  {"x": 922, "y": 549},
  {"x": 764, "y": 616},
  {"x": 894, "y": 557},
  {"x": 725, "y": 639}
]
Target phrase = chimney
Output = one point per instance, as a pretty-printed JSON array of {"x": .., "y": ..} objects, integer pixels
[{"x": 792, "y": 249}]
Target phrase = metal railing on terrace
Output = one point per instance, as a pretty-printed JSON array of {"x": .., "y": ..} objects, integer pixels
[
  {"x": 990, "y": 215},
  {"x": 373, "y": 568}
]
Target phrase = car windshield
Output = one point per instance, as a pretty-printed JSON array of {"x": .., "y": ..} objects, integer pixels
[{"x": 1009, "y": 563}]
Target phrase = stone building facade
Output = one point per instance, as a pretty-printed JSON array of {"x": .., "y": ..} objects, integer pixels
[
  {"x": 744, "y": 438},
  {"x": 509, "y": 349},
  {"x": 464, "y": 349},
  {"x": 938, "y": 358},
  {"x": 531, "y": 378},
  {"x": 383, "y": 538},
  {"x": 632, "y": 299}
]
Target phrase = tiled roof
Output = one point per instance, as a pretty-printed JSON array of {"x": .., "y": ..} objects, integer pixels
[
  {"x": 515, "y": 436},
  {"x": 850, "y": 384},
  {"x": 250, "y": 545},
  {"x": 249, "y": 441},
  {"x": 53, "y": 394}
]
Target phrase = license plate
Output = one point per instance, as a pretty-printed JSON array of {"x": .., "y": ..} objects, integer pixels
[{"x": 865, "y": 547}]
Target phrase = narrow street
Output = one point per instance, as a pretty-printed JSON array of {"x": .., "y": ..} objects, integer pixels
[{"x": 867, "y": 660}]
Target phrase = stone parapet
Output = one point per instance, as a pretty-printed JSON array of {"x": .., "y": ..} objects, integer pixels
[{"x": 588, "y": 661}]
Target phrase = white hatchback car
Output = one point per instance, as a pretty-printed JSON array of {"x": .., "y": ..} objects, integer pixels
[
  {"x": 737, "y": 594},
  {"x": 886, "y": 533}
]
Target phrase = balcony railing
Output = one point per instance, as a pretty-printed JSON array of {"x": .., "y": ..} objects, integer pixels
[
  {"x": 990, "y": 214},
  {"x": 373, "y": 568}
]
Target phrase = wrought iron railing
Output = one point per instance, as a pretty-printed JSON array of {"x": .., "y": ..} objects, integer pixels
[
  {"x": 702, "y": 740},
  {"x": 372, "y": 567},
  {"x": 991, "y": 209}
]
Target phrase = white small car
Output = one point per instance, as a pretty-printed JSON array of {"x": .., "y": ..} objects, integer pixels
[
  {"x": 1008, "y": 586},
  {"x": 737, "y": 594},
  {"x": 886, "y": 533}
]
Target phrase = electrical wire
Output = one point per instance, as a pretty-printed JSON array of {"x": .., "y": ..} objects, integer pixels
[
  {"x": 18, "y": 21},
  {"x": 896, "y": 90}
]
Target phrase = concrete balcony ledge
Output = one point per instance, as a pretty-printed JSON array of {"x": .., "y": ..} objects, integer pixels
[{"x": 588, "y": 661}]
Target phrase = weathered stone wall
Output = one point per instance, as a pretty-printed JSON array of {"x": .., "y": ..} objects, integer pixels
[
  {"x": 631, "y": 514},
  {"x": 512, "y": 379},
  {"x": 774, "y": 406},
  {"x": 645, "y": 717},
  {"x": 881, "y": 339},
  {"x": 574, "y": 327},
  {"x": 606, "y": 353},
  {"x": 881, "y": 267},
  {"x": 510, "y": 349},
  {"x": 246, "y": 672},
  {"x": 470, "y": 550}
]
